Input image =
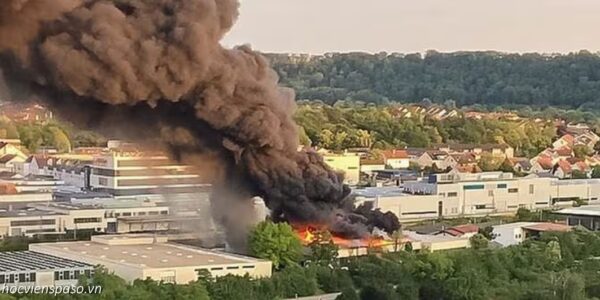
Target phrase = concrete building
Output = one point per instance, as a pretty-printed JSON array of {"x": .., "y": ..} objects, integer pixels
[
  {"x": 28, "y": 268},
  {"x": 146, "y": 256},
  {"x": 586, "y": 216},
  {"x": 515, "y": 233},
  {"x": 369, "y": 166},
  {"x": 346, "y": 163},
  {"x": 466, "y": 194},
  {"x": 132, "y": 173},
  {"x": 396, "y": 159}
]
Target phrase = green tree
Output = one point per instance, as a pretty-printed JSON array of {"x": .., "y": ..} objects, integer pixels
[
  {"x": 581, "y": 151},
  {"x": 60, "y": 140},
  {"x": 596, "y": 172},
  {"x": 576, "y": 174},
  {"x": 478, "y": 241},
  {"x": 276, "y": 242},
  {"x": 323, "y": 251}
]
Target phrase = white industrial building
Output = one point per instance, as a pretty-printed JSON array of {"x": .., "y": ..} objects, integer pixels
[
  {"x": 468, "y": 194},
  {"x": 28, "y": 268},
  {"x": 147, "y": 256},
  {"x": 133, "y": 173}
]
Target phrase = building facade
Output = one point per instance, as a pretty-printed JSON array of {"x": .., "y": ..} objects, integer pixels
[{"x": 465, "y": 194}]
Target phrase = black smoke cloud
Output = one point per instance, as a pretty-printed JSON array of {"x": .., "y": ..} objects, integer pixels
[{"x": 155, "y": 70}]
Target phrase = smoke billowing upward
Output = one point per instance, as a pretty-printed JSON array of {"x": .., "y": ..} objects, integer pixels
[{"x": 156, "y": 70}]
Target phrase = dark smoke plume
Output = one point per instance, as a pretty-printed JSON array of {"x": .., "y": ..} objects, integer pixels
[{"x": 148, "y": 70}]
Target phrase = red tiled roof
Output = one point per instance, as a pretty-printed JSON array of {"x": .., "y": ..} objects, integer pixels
[
  {"x": 372, "y": 162},
  {"x": 395, "y": 154},
  {"x": 565, "y": 166},
  {"x": 462, "y": 229},
  {"x": 565, "y": 151},
  {"x": 6, "y": 158},
  {"x": 545, "y": 163},
  {"x": 545, "y": 227},
  {"x": 568, "y": 138}
]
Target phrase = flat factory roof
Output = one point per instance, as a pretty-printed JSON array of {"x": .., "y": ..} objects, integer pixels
[
  {"x": 156, "y": 255},
  {"x": 32, "y": 261},
  {"x": 373, "y": 192},
  {"x": 587, "y": 210}
]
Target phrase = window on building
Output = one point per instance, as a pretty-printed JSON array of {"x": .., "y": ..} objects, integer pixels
[
  {"x": 501, "y": 185},
  {"x": 452, "y": 194},
  {"x": 11, "y": 278},
  {"x": 480, "y": 206},
  {"x": 33, "y": 222},
  {"x": 22, "y": 277},
  {"x": 126, "y": 214},
  {"x": 2, "y": 279},
  {"x": 531, "y": 189},
  {"x": 491, "y": 193},
  {"x": 513, "y": 190},
  {"x": 474, "y": 187},
  {"x": 454, "y": 210},
  {"x": 56, "y": 275},
  {"x": 247, "y": 267},
  {"x": 153, "y": 213},
  {"x": 87, "y": 220},
  {"x": 233, "y": 268},
  {"x": 442, "y": 194},
  {"x": 141, "y": 213},
  {"x": 216, "y": 269},
  {"x": 32, "y": 276},
  {"x": 65, "y": 275},
  {"x": 102, "y": 181},
  {"x": 164, "y": 212}
]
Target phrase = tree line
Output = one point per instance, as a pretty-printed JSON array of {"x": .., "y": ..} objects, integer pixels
[
  {"x": 350, "y": 125},
  {"x": 571, "y": 80},
  {"x": 555, "y": 266}
]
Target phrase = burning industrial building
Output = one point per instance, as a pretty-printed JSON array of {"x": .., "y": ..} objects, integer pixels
[{"x": 156, "y": 71}]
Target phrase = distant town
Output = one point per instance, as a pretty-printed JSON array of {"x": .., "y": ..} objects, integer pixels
[{"x": 142, "y": 215}]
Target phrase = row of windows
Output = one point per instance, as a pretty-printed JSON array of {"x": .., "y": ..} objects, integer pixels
[
  {"x": 21, "y": 277},
  {"x": 419, "y": 213},
  {"x": 144, "y": 163},
  {"x": 133, "y": 214},
  {"x": 33, "y": 222},
  {"x": 158, "y": 181},
  {"x": 87, "y": 220},
  {"x": 500, "y": 186},
  {"x": 72, "y": 275},
  {"x": 228, "y": 268},
  {"x": 144, "y": 172},
  {"x": 144, "y": 191}
]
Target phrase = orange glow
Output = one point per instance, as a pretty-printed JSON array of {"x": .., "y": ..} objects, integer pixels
[{"x": 307, "y": 234}]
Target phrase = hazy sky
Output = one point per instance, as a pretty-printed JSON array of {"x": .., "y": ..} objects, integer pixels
[{"x": 317, "y": 26}]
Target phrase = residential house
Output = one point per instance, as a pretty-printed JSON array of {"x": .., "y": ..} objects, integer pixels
[
  {"x": 442, "y": 160},
  {"x": 396, "y": 159},
  {"x": 588, "y": 139},
  {"x": 34, "y": 165},
  {"x": 8, "y": 161},
  {"x": 369, "y": 165},
  {"x": 563, "y": 169},
  {"x": 467, "y": 230},
  {"x": 566, "y": 140},
  {"x": 543, "y": 164},
  {"x": 504, "y": 150},
  {"x": 520, "y": 164}
]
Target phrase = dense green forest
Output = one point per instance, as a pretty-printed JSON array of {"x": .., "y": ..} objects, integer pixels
[
  {"x": 488, "y": 78},
  {"x": 348, "y": 125},
  {"x": 560, "y": 266}
]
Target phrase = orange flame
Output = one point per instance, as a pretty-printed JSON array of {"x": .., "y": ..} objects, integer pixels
[{"x": 307, "y": 235}]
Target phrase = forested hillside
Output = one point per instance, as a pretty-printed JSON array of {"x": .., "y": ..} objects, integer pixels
[{"x": 488, "y": 78}]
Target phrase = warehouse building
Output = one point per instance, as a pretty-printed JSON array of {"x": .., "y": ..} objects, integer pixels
[
  {"x": 586, "y": 216},
  {"x": 147, "y": 256},
  {"x": 28, "y": 268},
  {"x": 480, "y": 194}
]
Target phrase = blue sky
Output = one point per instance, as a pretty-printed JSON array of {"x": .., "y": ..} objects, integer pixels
[{"x": 318, "y": 26}]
